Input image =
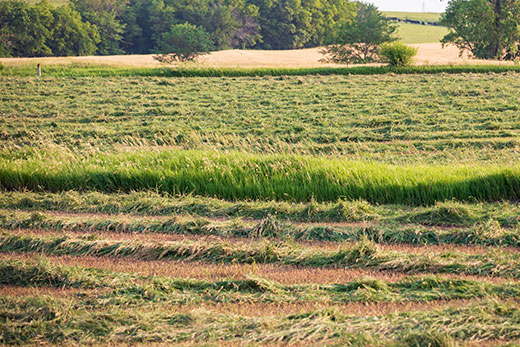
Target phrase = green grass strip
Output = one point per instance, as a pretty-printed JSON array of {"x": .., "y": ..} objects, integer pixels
[
  {"x": 239, "y": 176},
  {"x": 364, "y": 254},
  {"x": 107, "y": 71}
]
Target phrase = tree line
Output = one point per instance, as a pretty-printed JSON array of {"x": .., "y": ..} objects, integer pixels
[
  {"x": 107, "y": 27},
  {"x": 352, "y": 31}
]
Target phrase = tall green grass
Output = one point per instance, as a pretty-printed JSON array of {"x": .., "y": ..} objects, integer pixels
[
  {"x": 238, "y": 176},
  {"x": 99, "y": 70}
]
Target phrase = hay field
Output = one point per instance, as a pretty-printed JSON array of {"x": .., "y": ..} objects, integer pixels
[
  {"x": 377, "y": 210},
  {"x": 429, "y": 54}
]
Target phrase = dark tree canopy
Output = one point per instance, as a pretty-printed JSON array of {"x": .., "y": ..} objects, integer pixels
[
  {"x": 42, "y": 30},
  {"x": 184, "y": 42},
  {"x": 108, "y": 27}
]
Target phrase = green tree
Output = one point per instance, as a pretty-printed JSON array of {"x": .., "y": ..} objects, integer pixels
[
  {"x": 284, "y": 24},
  {"x": 143, "y": 19},
  {"x": 70, "y": 35},
  {"x": 488, "y": 29},
  {"x": 25, "y": 29},
  {"x": 105, "y": 15},
  {"x": 358, "y": 40},
  {"x": 184, "y": 42}
]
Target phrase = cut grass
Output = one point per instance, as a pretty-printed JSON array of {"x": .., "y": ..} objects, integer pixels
[
  {"x": 448, "y": 213},
  {"x": 484, "y": 234},
  {"x": 362, "y": 255},
  {"x": 236, "y": 176},
  {"x": 52, "y": 320},
  {"x": 131, "y": 288},
  {"x": 408, "y": 119}
]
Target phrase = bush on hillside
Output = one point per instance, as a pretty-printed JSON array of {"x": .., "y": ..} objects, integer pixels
[{"x": 397, "y": 54}]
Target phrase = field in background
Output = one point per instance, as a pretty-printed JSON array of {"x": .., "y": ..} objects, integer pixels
[
  {"x": 415, "y": 33},
  {"x": 428, "y": 54},
  {"x": 420, "y": 16}
]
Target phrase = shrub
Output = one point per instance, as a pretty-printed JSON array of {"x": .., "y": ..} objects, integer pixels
[
  {"x": 2, "y": 67},
  {"x": 184, "y": 42},
  {"x": 398, "y": 54}
]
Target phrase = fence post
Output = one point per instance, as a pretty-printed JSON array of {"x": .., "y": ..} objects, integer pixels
[{"x": 39, "y": 70}]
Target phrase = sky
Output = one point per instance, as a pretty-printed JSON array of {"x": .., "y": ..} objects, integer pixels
[{"x": 410, "y": 5}]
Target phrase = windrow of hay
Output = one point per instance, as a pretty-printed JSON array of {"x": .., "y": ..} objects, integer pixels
[
  {"x": 361, "y": 255},
  {"x": 52, "y": 320},
  {"x": 151, "y": 204},
  {"x": 490, "y": 233}
]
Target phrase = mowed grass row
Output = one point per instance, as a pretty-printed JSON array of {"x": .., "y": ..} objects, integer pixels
[
  {"x": 238, "y": 176},
  {"x": 150, "y": 203},
  {"x": 392, "y": 118},
  {"x": 129, "y": 288},
  {"x": 65, "y": 320},
  {"x": 485, "y": 234},
  {"x": 364, "y": 254},
  {"x": 143, "y": 306}
]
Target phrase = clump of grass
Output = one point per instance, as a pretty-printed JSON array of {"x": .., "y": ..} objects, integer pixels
[
  {"x": 41, "y": 274},
  {"x": 268, "y": 227},
  {"x": 444, "y": 213},
  {"x": 32, "y": 319},
  {"x": 428, "y": 339},
  {"x": 363, "y": 252}
]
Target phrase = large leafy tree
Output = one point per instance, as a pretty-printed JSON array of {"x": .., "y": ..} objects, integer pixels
[
  {"x": 105, "y": 15},
  {"x": 183, "y": 42},
  {"x": 488, "y": 29},
  {"x": 42, "y": 30},
  {"x": 24, "y": 29},
  {"x": 70, "y": 35},
  {"x": 230, "y": 23}
]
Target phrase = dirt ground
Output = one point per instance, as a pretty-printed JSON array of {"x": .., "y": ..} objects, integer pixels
[{"x": 429, "y": 54}]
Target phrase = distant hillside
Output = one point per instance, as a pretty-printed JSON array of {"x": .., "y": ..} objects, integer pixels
[
  {"x": 423, "y": 17},
  {"x": 52, "y": 2},
  {"x": 413, "y": 33}
]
